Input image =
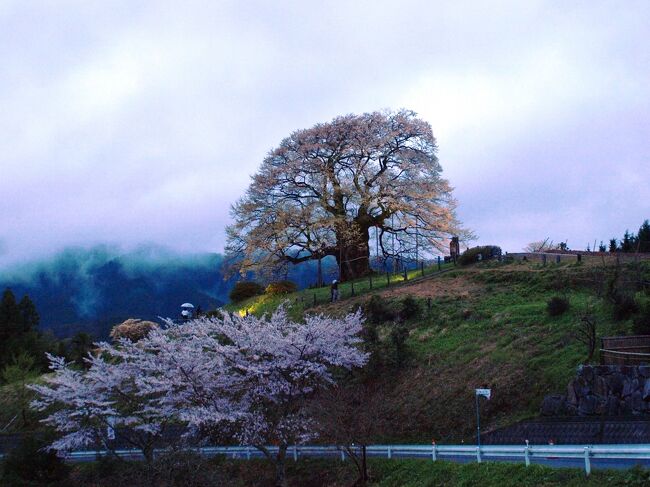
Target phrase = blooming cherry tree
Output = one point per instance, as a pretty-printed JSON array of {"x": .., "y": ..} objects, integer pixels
[
  {"x": 88, "y": 407},
  {"x": 323, "y": 189},
  {"x": 259, "y": 372},
  {"x": 249, "y": 375}
]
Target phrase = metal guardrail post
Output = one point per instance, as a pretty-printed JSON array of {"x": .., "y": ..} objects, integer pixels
[
  {"x": 624, "y": 452},
  {"x": 527, "y": 456}
]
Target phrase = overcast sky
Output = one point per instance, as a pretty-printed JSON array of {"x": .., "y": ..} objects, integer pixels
[{"x": 132, "y": 122}]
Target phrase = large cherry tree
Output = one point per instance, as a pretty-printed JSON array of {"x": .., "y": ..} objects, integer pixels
[{"x": 324, "y": 189}]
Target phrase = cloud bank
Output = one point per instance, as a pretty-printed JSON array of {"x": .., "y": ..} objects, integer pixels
[{"x": 127, "y": 122}]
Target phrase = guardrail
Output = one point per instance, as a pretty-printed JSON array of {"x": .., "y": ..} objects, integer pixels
[{"x": 559, "y": 455}]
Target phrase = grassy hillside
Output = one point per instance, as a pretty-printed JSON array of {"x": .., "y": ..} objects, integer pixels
[
  {"x": 484, "y": 325},
  {"x": 310, "y": 299},
  {"x": 417, "y": 473},
  {"x": 487, "y": 325}
]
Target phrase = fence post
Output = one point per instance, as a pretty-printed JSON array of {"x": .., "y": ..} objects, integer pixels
[
  {"x": 342, "y": 455},
  {"x": 295, "y": 453},
  {"x": 248, "y": 453},
  {"x": 433, "y": 452},
  {"x": 544, "y": 260},
  {"x": 439, "y": 265},
  {"x": 587, "y": 461},
  {"x": 390, "y": 453},
  {"x": 558, "y": 258},
  {"x": 527, "y": 456},
  {"x": 478, "y": 454}
]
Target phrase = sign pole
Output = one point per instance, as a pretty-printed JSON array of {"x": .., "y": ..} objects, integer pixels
[
  {"x": 478, "y": 424},
  {"x": 486, "y": 393}
]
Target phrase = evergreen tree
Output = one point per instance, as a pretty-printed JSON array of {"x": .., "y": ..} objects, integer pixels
[
  {"x": 602, "y": 247},
  {"x": 18, "y": 329},
  {"x": 18, "y": 374},
  {"x": 613, "y": 245},
  {"x": 27, "y": 315},
  {"x": 627, "y": 244},
  {"x": 9, "y": 316},
  {"x": 643, "y": 237}
]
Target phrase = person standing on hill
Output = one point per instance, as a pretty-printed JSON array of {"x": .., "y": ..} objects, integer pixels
[{"x": 334, "y": 288}]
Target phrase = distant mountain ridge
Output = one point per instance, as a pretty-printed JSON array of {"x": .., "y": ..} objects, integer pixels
[{"x": 92, "y": 289}]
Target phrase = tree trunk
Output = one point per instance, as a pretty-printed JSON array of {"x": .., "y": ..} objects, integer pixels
[
  {"x": 354, "y": 257},
  {"x": 147, "y": 452},
  {"x": 280, "y": 474},
  {"x": 364, "y": 466},
  {"x": 320, "y": 273}
]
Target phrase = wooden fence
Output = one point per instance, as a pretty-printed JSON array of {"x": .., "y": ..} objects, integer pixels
[{"x": 625, "y": 350}]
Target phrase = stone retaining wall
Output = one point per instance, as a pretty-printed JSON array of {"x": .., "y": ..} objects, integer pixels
[{"x": 609, "y": 390}]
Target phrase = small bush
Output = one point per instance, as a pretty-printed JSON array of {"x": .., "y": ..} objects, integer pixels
[
  {"x": 281, "y": 287},
  {"x": 132, "y": 329},
  {"x": 244, "y": 290},
  {"x": 173, "y": 469},
  {"x": 642, "y": 320},
  {"x": 557, "y": 306},
  {"x": 377, "y": 311},
  {"x": 624, "y": 307},
  {"x": 29, "y": 465},
  {"x": 410, "y": 308},
  {"x": 487, "y": 252},
  {"x": 397, "y": 350}
]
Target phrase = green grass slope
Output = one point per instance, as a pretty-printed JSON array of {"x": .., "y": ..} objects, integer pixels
[
  {"x": 418, "y": 473},
  {"x": 183, "y": 471},
  {"x": 481, "y": 326}
]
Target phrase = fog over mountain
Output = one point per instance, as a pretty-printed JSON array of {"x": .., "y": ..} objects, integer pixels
[{"x": 91, "y": 289}]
